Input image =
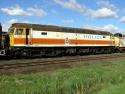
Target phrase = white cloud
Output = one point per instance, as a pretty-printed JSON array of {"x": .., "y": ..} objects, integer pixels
[
  {"x": 72, "y": 5},
  {"x": 107, "y": 4},
  {"x": 111, "y": 28},
  {"x": 18, "y": 11},
  {"x": 122, "y": 20},
  {"x": 69, "y": 21},
  {"x": 91, "y": 27},
  {"x": 7, "y": 24},
  {"x": 105, "y": 12},
  {"x": 36, "y": 12},
  {"x": 102, "y": 13},
  {"x": 12, "y": 21}
]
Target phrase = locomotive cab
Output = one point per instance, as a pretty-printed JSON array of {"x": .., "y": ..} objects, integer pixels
[
  {"x": 19, "y": 36},
  {"x": 121, "y": 38}
]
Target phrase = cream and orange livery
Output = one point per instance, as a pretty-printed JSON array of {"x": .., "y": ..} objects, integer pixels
[
  {"x": 39, "y": 40},
  {"x": 31, "y": 35}
]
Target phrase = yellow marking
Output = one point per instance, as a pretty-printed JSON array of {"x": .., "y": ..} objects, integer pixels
[
  {"x": 11, "y": 40},
  {"x": 117, "y": 42}
]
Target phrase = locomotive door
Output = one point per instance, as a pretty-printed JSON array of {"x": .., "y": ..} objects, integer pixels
[
  {"x": 67, "y": 41},
  {"x": 27, "y": 34}
]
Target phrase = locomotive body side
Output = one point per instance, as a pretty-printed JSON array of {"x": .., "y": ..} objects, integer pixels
[
  {"x": 42, "y": 38},
  {"x": 39, "y": 40},
  {"x": 65, "y": 39}
]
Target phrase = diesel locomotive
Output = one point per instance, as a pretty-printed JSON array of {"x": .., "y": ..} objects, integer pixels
[{"x": 29, "y": 40}]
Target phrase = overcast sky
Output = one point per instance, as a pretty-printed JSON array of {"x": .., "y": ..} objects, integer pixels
[{"x": 94, "y": 14}]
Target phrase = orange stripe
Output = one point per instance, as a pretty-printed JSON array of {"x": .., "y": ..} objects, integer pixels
[
  {"x": 61, "y": 41},
  {"x": 90, "y": 42},
  {"x": 39, "y": 41},
  {"x": 48, "y": 41},
  {"x": 19, "y": 41}
]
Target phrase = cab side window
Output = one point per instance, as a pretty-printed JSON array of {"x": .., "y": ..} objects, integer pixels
[
  {"x": 44, "y": 33},
  {"x": 11, "y": 30},
  {"x": 19, "y": 32}
]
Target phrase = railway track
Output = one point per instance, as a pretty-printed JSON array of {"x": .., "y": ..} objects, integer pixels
[{"x": 7, "y": 68}]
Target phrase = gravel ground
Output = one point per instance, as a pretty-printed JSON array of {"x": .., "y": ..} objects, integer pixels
[
  {"x": 5, "y": 60},
  {"x": 50, "y": 68}
]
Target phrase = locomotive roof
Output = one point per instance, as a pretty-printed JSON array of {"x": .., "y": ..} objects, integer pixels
[{"x": 59, "y": 28}]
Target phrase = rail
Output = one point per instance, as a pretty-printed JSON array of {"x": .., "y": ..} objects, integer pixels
[{"x": 53, "y": 61}]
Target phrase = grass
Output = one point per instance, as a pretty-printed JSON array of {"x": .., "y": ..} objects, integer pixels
[
  {"x": 114, "y": 89},
  {"x": 100, "y": 78}
]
